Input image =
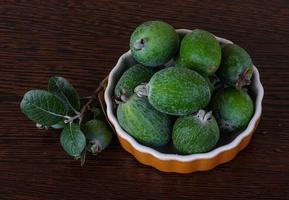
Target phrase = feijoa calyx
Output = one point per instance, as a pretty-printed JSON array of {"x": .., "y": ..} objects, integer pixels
[
  {"x": 236, "y": 67},
  {"x": 131, "y": 78},
  {"x": 201, "y": 51},
  {"x": 232, "y": 108},
  {"x": 140, "y": 120},
  {"x": 154, "y": 43},
  {"x": 197, "y": 133},
  {"x": 177, "y": 91}
]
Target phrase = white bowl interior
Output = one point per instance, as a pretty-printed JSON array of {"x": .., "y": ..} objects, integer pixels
[{"x": 126, "y": 61}]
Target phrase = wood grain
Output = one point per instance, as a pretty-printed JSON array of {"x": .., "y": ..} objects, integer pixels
[{"x": 82, "y": 40}]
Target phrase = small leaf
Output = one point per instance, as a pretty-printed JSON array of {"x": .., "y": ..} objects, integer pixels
[
  {"x": 73, "y": 140},
  {"x": 61, "y": 88},
  {"x": 42, "y": 107}
]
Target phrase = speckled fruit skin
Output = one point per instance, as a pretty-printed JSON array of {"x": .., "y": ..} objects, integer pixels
[
  {"x": 160, "y": 43},
  {"x": 131, "y": 78},
  {"x": 201, "y": 50},
  {"x": 211, "y": 85},
  {"x": 235, "y": 60},
  {"x": 178, "y": 91},
  {"x": 191, "y": 135},
  {"x": 147, "y": 125},
  {"x": 232, "y": 108},
  {"x": 180, "y": 62},
  {"x": 97, "y": 130}
]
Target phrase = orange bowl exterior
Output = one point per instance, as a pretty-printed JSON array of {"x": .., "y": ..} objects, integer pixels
[
  {"x": 173, "y": 165},
  {"x": 185, "y": 167}
]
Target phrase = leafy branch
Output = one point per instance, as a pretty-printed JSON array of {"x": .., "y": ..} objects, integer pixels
[{"x": 60, "y": 107}]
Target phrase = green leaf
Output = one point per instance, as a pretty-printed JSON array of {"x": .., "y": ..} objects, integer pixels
[
  {"x": 61, "y": 88},
  {"x": 42, "y": 107},
  {"x": 59, "y": 125},
  {"x": 73, "y": 140}
]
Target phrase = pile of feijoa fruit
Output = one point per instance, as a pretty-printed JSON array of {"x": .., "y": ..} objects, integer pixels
[{"x": 192, "y": 103}]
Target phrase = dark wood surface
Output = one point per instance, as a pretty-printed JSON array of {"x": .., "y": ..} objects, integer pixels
[{"x": 82, "y": 40}]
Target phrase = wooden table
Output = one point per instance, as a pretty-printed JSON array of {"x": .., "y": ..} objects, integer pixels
[{"x": 82, "y": 40}]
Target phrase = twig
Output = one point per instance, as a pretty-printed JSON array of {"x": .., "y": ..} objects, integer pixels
[
  {"x": 93, "y": 97},
  {"x": 79, "y": 115}
]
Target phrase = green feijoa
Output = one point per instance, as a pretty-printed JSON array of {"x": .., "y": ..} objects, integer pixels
[
  {"x": 232, "y": 108},
  {"x": 154, "y": 43},
  {"x": 98, "y": 134},
  {"x": 236, "y": 67},
  {"x": 180, "y": 62},
  {"x": 131, "y": 78},
  {"x": 202, "y": 51},
  {"x": 197, "y": 133},
  {"x": 147, "y": 125},
  {"x": 178, "y": 91}
]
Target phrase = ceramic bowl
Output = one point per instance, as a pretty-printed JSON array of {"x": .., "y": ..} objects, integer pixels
[{"x": 167, "y": 161}]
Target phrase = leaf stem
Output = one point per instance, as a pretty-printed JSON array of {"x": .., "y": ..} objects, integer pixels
[
  {"x": 71, "y": 119},
  {"x": 79, "y": 115}
]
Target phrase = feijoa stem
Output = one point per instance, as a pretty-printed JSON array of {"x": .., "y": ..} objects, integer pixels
[
  {"x": 95, "y": 146},
  {"x": 139, "y": 44},
  {"x": 203, "y": 116},
  {"x": 142, "y": 90},
  {"x": 124, "y": 98},
  {"x": 208, "y": 116},
  {"x": 244, "y": 78}
]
